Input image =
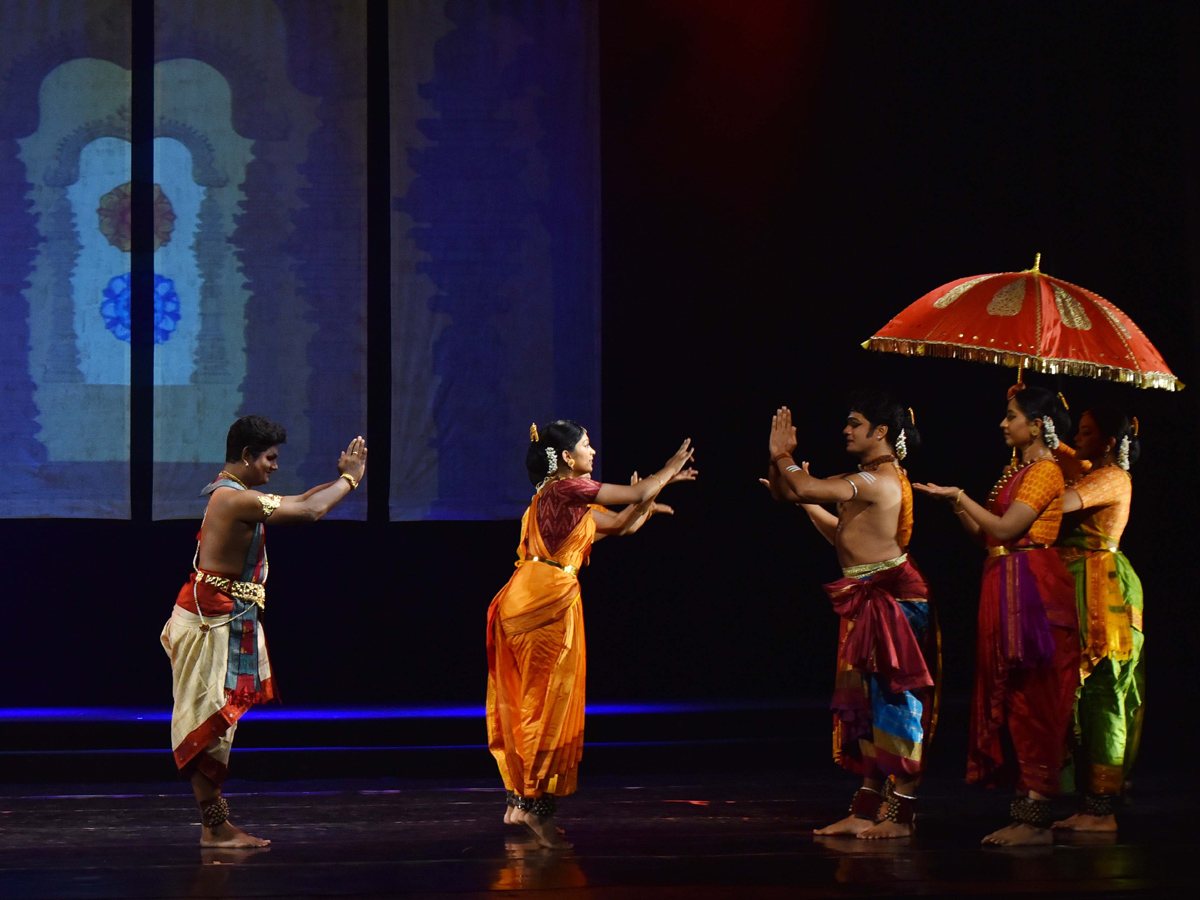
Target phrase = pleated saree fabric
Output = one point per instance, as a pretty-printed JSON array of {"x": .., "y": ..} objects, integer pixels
[
  {"x": 1027, "y": 646},
  {"x": 1108, "y": 594},
  {"x": 537, "y": 655}
]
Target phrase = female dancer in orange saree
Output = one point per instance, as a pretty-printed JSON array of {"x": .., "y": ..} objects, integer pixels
[
  {"x": 537, "y": 659},
  {"x": 1027, "y": 665},
  {"x": 1108, "y": 714}
]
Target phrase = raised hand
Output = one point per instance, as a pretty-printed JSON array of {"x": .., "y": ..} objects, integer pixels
[
  {"x": 681, "y": 458},
  {"x": 353, "y": 461},
  {"x": 688, "y": 474},
  {"x": 783, "y": 433}
]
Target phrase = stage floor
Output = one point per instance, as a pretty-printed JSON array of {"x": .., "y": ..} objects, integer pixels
[{"x": 691, "y": 836}]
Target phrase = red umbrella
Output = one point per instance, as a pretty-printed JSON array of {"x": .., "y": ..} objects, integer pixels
[{"x": 1027, "y": 320}]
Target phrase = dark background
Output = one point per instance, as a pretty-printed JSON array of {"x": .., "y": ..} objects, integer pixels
[{"x": 779, "y": 178}]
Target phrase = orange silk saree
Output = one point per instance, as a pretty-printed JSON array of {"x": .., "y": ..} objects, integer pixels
[{"x": 537, "y": 664}]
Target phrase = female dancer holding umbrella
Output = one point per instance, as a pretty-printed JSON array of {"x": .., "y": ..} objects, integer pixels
[{"x": 1109, "y": 596}]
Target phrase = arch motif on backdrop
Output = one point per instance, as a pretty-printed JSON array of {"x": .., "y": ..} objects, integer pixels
[
  {"x": 265, "y": 257},
  {"x": 201, "y": 166}
]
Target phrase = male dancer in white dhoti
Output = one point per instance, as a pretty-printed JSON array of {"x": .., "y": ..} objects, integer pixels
[{"x": 218, "y": 654}]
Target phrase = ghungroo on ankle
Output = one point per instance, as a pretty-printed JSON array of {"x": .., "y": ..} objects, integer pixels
[
  {"x": 866, "y": 803},
  {"x": 510, "y": 797},
  {"x": 214, "y": 813},
  {"x": 543, "y": 807},
  {"x": 1027, "y": 811},
  {"x": 1100, "y": 804},
  {"x": 900, "y": 808}
]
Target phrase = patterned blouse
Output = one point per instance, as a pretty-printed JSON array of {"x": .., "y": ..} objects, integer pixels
[{"x": 561, "y": 506}]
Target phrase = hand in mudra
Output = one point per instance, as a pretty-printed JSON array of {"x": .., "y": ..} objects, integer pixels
[
  {"x": 353, "y": 461},
  {"x": 783, "y": 433},
  {"x": 688, "y": 474},
  {"x": 681, "y": 458},
  {"x": 936, "y": 490}
]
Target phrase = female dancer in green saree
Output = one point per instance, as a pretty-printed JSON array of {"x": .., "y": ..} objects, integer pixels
[{"x": 1109, "y": 596}]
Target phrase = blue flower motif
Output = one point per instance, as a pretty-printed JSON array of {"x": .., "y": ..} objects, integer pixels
[{"x": 115, "y": 308}]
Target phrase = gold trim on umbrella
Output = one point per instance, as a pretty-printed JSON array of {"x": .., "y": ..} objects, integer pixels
[{"x": 946, "y": 350}]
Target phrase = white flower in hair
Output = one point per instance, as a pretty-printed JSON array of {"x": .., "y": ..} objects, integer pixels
[
  {"x": 1123, "y": 453},
  {"x": 552, "y": 459},
  {"x": 1049, "y": 433},
  {"x": 901, "y": 445}
]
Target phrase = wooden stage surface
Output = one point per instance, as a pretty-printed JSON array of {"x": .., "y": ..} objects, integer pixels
[{"x": 662, "y": 836}]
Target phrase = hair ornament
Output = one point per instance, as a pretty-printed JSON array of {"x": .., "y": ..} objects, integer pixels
[
  {"x": 533, "y": 433},
  {"x": 1123, "y": 453},
  {"x": 552, "y": 460},
  {"x": 1063, "y": 401},
  {"x": 1135, "y": 426},
  {"x": 911, "y": 418},
  {"x": 1048, "y": 433},
  {"x": 901, "y": 445}
]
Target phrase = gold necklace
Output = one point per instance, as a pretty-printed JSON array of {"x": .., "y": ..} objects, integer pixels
[
  {"x": 1009, "y": 472},
  {"x": 232, "y": 477}
]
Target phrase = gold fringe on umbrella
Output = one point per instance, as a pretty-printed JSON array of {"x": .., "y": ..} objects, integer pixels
[{"x": 1162, "y": 380}]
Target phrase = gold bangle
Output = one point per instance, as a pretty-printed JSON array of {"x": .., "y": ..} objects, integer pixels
[
  {"x": 957, "y": 497},
  {"x": 350, "y": 478}
]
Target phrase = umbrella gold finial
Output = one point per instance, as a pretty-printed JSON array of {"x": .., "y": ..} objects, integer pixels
[{"x": 1037, "y": 263}]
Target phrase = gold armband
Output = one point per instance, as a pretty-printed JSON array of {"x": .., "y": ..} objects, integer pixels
[
  {"x": 270, "y": 503},
  {"x": 350, "y": 478}
]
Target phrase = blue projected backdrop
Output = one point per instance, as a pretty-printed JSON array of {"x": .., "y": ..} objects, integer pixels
[
  {"x": 64, "y": 338},
  {"x": 260, "y": 241},
  {"x": 495, "y": 244}
]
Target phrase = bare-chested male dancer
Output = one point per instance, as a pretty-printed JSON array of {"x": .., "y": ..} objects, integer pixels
[
  {"x": 884, "y": 695},
  {"x": 218, "y": 655}
]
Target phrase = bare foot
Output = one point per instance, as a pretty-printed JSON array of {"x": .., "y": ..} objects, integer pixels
[
  {"x": 508, "y": 816},
  {"x": 851, "y": 825},
  {"x": 1019, "y": 834},
  {"x": 228, "y": 836},
  {"x": 544, "y": 831},
  {"x": 881, "y": 831},
  {"x": 1086, "y": 822}
]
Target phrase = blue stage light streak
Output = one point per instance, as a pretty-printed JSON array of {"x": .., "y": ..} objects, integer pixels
[
  {"x": 399, "y": 748},
  {"x": 375, "y": 713}
]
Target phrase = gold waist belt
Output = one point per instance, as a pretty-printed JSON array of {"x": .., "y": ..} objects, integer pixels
[
  {"x": 1070, "y": 554},
  {"x": 250, "y": 591},
  {"x": 1005, "y": 551},
  {"x": 866, "y": 570},
  {"x": 570, "y": 570}
]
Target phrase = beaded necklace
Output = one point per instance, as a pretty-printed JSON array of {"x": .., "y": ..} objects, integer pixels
[
  {"x": 1009, "y": 472},
  {"x": 872, "y": 464}
]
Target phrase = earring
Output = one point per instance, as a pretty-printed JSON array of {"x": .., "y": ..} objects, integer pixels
[{"x": 245, "y": 463}]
